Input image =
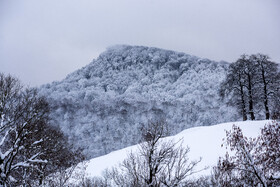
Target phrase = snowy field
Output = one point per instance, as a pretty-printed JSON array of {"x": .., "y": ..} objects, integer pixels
[{"x": 203, "y": 142}]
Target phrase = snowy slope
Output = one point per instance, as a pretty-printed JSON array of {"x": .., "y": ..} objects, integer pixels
[
  {"x": 102, "y": 106},
  {"x": 203, "y": 142}
]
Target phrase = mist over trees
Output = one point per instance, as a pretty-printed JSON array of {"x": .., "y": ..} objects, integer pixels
[
  {"x": 30, "y": 148},
  {"x": 103, "y": 106},
  {"x": 107, "y": 101},
  {"x": 253, "y": 86}
]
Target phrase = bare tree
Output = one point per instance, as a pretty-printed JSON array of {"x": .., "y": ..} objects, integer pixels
[
  {"x": 255, "y": 161},
  {"x": 249, "y": 71},
  {"x": 235, "y": 85},
  {"x": 268, "y": 154},
  {"x": 157, "y": 163},
  {"x": 20, "y": 111},
  {"x": 29, "y": 147},
  {"x": 268, "y": 80},
  {"x": 252, "y": 80}
]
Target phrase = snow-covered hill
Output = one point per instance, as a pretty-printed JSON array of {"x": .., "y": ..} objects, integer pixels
[
  {"x": 203, "y": 142},
  {"x": 103, "y": 105}
]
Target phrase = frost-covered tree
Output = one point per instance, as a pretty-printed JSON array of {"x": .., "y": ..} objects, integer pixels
[{"x": 107, "y": 101}]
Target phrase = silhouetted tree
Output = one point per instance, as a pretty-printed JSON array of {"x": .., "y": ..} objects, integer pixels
[
  {"x": 252, "y": 80},
  {"x": 235, "y": 85},
  {"x": 249, "y": 70},
  {"x": 268, "y": 81}
]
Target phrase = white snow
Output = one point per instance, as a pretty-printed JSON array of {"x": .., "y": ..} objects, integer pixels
[
  {"x": 203, "y": 142},
  {"x": 107, "y": 102}
]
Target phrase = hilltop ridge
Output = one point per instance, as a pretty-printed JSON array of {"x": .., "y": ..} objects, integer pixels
[{"x": 103, "y": 105}]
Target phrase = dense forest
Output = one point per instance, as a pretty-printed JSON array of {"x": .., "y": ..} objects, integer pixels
[
  {"x": 108, "y": 101},
  {"x": 134, "y": 94}
]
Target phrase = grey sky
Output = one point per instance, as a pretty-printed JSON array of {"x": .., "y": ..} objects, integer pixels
[{"x": 44, "y": 40}]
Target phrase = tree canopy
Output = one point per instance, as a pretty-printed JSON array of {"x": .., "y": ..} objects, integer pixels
[{"x": 252, "y": 84}]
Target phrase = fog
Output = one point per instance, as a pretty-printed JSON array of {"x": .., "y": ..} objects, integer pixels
[{"x": 42, "y": 41}]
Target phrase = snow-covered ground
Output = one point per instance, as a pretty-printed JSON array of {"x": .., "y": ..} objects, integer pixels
[{"x": 203, "y": 142}]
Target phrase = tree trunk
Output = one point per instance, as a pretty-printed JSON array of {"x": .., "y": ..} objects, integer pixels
[
  {"x": 151, "y": 174},
  {"x": 244, "y": 112},
  {"x": 267, "y": 114},
  {"x": 251, "y": 106}
]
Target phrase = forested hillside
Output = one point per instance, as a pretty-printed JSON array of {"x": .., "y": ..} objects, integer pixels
[{"x": 103, "y": 105}]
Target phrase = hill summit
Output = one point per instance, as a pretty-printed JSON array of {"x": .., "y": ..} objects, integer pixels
[{"x": 103, "y": 105}]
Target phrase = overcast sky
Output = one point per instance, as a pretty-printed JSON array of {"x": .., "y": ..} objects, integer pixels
[{"x": 43, "y": 40}]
